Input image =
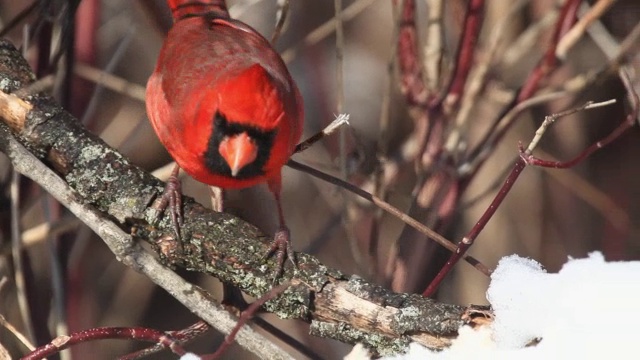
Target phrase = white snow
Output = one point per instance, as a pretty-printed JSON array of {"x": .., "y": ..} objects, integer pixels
[
  {"x": 190, "y": 356},
  {"x": 589, "y": 310}
]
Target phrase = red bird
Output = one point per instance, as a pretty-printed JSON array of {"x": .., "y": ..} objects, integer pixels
[{"x": 223, "y": 103}]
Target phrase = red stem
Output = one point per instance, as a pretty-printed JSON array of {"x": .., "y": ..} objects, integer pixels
[
  {"x": 468, "y": 240},
  {"x": 549, "y": 62},
  {"x": 545, "y": 66},
  {"x": 244, "y": 317},
  {"x": 630, "y": 120},
  {"x": 527, "y": 159},
  {"x": 87, "y": 22},
  {"x": 466, "y": 50},
  {"x": 183, "y": 336},
  {"x": 143, "y": 334},
  {"x": 411, "y": 80}
]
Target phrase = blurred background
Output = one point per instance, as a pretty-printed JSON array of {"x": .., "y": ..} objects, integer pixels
[{"x": 62, "y": 278}]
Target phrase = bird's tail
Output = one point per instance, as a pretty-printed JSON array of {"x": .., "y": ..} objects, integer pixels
[{"x": 181, "y": 9}]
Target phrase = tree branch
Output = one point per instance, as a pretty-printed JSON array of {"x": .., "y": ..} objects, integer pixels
[
  {"x": 112, "y": 195},
  {"x": 129, "y": 252}
]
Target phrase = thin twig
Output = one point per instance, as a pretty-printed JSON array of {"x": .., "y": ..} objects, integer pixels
[
  {"x": 630, "y": 120},
  {"x": 12, "y": 329},
  {"x": 58, "y": 301},
  {"x": 281, "y": 19},
  {"x": 411, "y": 77},
  {"x": 590, "y": 194},
  {"x": 118, "y": 54},
  {"x": 21, "y": 16},
  {"x": 326, "y": 29},
  {"x": 16, "y": 252},
  {"x": 180, "y": 336},
  {"x": 521, "y": 47},
  {"x": 382, "y": 147},
  {"x": 478, "y": 77},
  {"x": 347, "y": 204},
  {"x": 245, "y": 317},
  {"x": 578, "y": 30},
  {"x": 465, "y": 55},
  {"x": 340, "y": 84},
  {"x": 434, "y": 46},
  {"x": 549, "y": 61},
  {"x": 524, "y": 160},
  {"x": 626, "y": 44},
  {"x": 109, "y": 81},
  {"x": 143, "y": 334},
  {"x": 552, "y": 118},
  {"x": 40, "y": 232},
  {"x": 423, "y": 229},
  {"x": 42, "y": 84},
  {"x": 342, "y": 119},
  {"x": 574, "y": 85}
]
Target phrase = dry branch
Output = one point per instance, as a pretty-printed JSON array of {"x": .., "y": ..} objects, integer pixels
[{"x": 118, "y": 193}]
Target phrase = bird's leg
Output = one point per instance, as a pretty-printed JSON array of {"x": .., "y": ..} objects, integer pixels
[
  {"x": 282, "y": 238},
  {"x": 171, "y": 197},
  {"x": 281, "y": 244},
  {"x": 231, "y": 295},
  {"x": 217, "y": 198}
]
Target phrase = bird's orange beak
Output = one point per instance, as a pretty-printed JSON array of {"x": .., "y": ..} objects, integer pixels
[{"x": 238, "y": 151}]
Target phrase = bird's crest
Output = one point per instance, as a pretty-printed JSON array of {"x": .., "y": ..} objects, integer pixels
[
  {"x": 181, "y": 9},
  {"x": 255, "y": 98}
]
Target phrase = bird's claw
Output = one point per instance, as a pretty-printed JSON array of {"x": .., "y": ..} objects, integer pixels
[
  {"x": 281, "y": 247},
  {"x": 172, "y": 198}
]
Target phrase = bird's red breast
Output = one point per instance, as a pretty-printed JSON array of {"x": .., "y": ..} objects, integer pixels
[{"x": 220, "y": 95}]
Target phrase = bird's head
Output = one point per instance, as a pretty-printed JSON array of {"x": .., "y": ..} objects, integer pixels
[{"x": 249, "y": 110}]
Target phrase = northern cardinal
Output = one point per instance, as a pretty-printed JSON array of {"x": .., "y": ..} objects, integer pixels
[{"x": 223, "y": 103}]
